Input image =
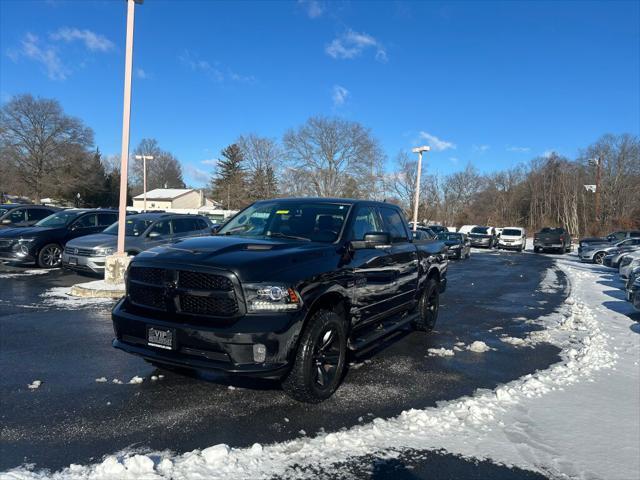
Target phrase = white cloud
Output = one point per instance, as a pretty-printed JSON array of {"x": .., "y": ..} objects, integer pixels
[
  {"x": 340, "y": 95},
  {"x": 45, "y": 54},
  {"x": 454, "y": 160},
  {"x": 436, "y": 143},
  {"x": 518, "y": 149},
  {"x": 351, "y": 45},
  {"x": 212, "y": 162},
  {"x": 481, "y": 148},
  {"x": 197, "y": 174},
  {"x": 214, "y": 71},
  {"x": 141, "y": 74},
  {"x": 93, "y": 41},
  {"x": 313, "y": 8}
]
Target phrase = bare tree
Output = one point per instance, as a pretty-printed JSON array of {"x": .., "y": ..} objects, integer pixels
[
  {"x": 335, "y": 155},
  {"x": 36, "y": 136},
  {"x": 262, "y": 159}
]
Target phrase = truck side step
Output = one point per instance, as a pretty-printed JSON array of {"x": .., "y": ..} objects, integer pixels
[{"x": 383, "y": 329}]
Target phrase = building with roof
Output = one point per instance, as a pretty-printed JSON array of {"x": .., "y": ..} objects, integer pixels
[{"x": 165, "y": 198}]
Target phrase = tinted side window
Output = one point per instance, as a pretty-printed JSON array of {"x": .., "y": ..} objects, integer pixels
[
  {"x": 183, "y": 225},
  {"x": 17, "y": 215},
  {"x": 366, "y": 221},
  {"x": 86, "y": 221},
  {"x": 394, "y": 224},
  {"x": 106, "y": 219},
  {"x": 38, "y": 213},
  {"x": 201, "y": 224},
  {"x": 161, "y": 227},
  {"x": 634, "y": 234}
]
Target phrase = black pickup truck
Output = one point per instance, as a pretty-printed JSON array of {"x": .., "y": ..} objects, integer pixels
[
  {"x": 284, "y": 290},
  {"x": 548, "y": 238}
]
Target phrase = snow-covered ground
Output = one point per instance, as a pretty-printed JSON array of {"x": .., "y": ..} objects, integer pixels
[{"x": 577, "y": 419}]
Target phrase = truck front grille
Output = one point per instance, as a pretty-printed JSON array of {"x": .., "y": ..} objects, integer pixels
[{"x": 179, "y": 291}]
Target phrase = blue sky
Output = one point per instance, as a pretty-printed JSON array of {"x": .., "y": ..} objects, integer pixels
[{"x": 491, "y": 83}]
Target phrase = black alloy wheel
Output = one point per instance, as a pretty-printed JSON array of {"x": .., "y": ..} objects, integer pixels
[
  {"x": 428, "y": 307},
  {"x": 320, "y": 358}
]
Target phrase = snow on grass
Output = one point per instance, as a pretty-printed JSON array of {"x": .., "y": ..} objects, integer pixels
[
  {"x": 575, "y": 419},
  {"x": 58, "y": 297}
]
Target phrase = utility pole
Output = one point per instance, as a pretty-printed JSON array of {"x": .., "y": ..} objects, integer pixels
[
  {"x": 144, "y": 159},
  {"x": 598, "y": 175},
  {"x": 416, "y": 201}
]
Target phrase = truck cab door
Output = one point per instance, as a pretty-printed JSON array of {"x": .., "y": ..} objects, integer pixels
[
  {"x": 373, "y": 275},
  {"x": 402, "y": 260}
]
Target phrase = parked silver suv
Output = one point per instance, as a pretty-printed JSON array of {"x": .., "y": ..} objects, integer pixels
[{"x": 143, "y": 231}]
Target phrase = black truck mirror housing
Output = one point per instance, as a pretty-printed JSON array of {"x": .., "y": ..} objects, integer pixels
[{"x": 372, "y": 240}]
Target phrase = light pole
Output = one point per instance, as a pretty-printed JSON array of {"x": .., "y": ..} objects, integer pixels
[
  {"x": 597, "y": 162},
  {"x": 419, "y": 151},
  {"x": 126, "y": 113},
  {"x": 144, "y": 159}
]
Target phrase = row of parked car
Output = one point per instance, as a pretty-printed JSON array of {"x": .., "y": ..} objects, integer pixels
[{"x": 81, "y": 239}]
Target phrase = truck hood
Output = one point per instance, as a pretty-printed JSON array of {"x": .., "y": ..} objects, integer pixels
[
  {"x": 96, "y": 240},
  {"x": 250, "y": 259},
  {"x": 26, "y": 232}
]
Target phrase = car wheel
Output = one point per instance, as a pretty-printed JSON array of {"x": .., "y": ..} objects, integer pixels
[
  {"x": 320, "y": 359},
  {"x": 50, "y": 256},
  {"x": 599, "y": 258},
  {"x": 428, "y": 307},
  {"x": 536, "y": 249}
]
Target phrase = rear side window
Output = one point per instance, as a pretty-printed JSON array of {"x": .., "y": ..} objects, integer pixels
[
  {"x": 394, "y": 224},
  {"x": 106, "y": 219},
  {"x": 38, "y": 213},
  {"x": 183, "y": 225},
  {"x": 366, "y": 221}
]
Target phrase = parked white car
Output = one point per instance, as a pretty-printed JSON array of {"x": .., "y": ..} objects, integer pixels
[
  {"x": 466, "y": 229},
  {"x": 513, "y": 238},
  {"x": 628, "y": 263}
]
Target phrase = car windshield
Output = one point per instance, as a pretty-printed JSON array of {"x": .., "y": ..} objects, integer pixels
[
  {"x": 511, "y": 232},
  {"x": 482, "y": 230},
  {"x": 303, "y": 220},
  {"x": 134, "y": 227},
  {"x": 59, "y": 219},
  {"x": 552, "y": 230},
  {"x": 449, "y": 236}
]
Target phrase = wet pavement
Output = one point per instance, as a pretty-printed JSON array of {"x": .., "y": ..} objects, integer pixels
[{"x": 71, "y": 418}]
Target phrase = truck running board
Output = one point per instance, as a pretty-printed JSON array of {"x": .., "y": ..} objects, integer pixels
[{"x": 378, "y": 332}]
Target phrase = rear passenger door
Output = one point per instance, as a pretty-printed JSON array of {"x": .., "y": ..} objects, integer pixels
[{"x": 403, "y": 258}]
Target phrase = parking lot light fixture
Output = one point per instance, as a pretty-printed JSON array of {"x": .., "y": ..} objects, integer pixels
[
  {"x": 419, "y": 151},
  {"x": 144, "y": 159}
]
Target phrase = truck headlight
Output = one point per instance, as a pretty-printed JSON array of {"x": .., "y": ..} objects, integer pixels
[{"x": 269, "y": 297}]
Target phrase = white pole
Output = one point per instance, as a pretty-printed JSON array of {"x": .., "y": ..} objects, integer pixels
[
  {"x": 417, "y": 198},
  {"x": 124, "y": 155},
  {"x": 144, "y": 180}
]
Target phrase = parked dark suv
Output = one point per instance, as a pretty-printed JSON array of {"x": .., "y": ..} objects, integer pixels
[
  {"x": 44, "y": 242},
  {"x": 284, "y": 290},
  {"x": 12, "y": 215}
]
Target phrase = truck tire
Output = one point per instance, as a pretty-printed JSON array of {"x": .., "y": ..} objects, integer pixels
[
  {"x": 320, "y": 359},
  {"x": 428, "y": 307},
  {"x": 50, "y": 256}
]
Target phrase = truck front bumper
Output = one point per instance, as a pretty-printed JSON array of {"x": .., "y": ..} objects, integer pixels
[{"x": 255, "y": 345}]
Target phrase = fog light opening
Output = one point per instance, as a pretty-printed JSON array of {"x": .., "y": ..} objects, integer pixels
[{"x": 259, "y": 353}]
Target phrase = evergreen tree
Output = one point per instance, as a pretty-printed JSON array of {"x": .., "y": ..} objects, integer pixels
[{"x": 229, "y": 186}]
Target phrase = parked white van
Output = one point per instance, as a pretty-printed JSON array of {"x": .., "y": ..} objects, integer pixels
[{"x": 514, "y": 238}]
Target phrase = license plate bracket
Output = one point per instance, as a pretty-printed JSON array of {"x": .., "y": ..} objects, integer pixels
[
  {"x": 161, "y": 337},
  {"x": 73, "y": 260}
]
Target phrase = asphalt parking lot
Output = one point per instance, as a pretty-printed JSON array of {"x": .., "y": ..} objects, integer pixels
[{"x": 72, "y": 418}]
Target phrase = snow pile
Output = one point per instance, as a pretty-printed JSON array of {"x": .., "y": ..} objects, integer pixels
[
  {"x": 101, "y": 380},
  {"x": 35, "y": 385},
  {"x": 544, "y": 421},
  {"x": 479, "y": 347},
  {"x": 136, "y": 380},
  {"x": 440, "y": 352},
  {"x": 59, "y": 297}
]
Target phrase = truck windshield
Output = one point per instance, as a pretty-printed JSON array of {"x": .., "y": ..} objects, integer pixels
[
  {"x": 449, "y": 236},
  {"x": 134, "y": 227},
  {"x": 304, "y": 220},
  {"x": 481, "y": 230},
  {"x": 552, "y": 230}
]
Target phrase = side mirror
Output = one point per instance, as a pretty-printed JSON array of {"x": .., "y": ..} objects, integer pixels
[
  {"x": 372, "y": 240},
  {"x": 154, "y": 234}
]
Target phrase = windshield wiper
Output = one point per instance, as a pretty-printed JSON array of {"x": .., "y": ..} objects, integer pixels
[{"x": 284, "y": 235}]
